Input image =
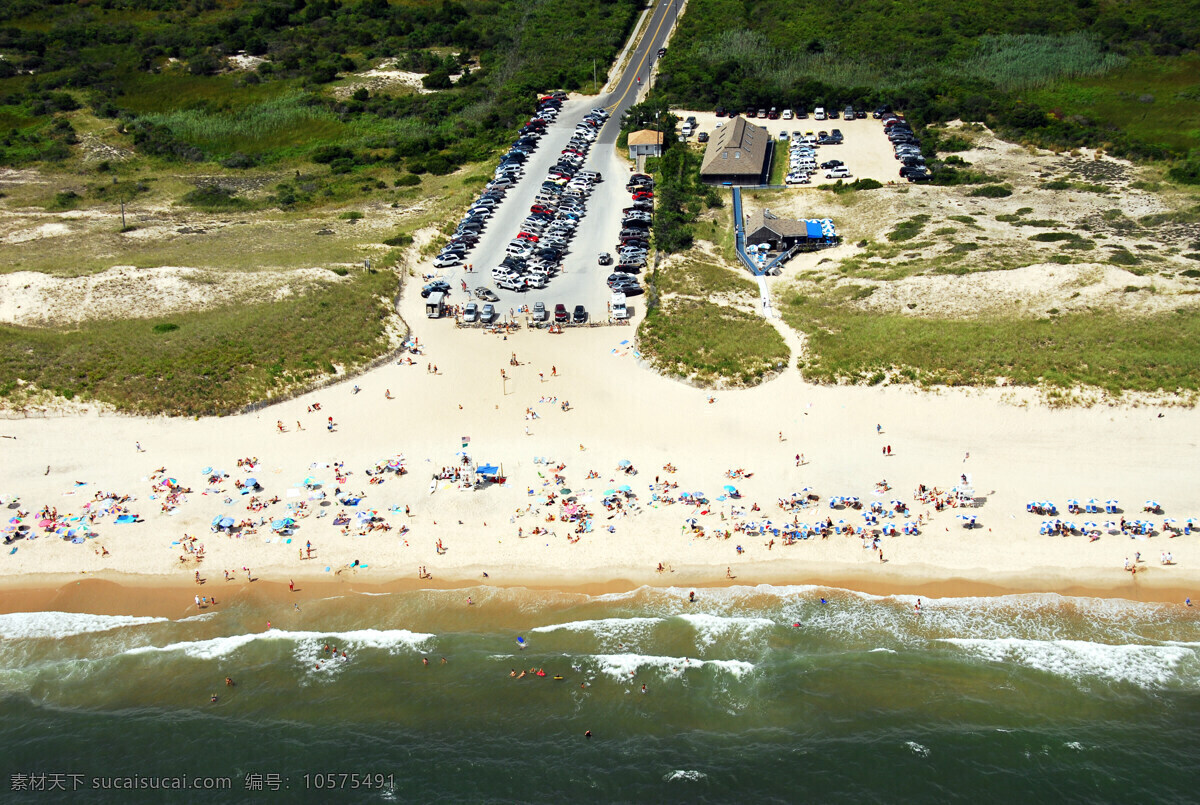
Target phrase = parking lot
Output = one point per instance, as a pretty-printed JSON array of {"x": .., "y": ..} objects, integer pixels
[
  {"x": 865, "y": 150},
  {"x": 580, "y": 279}
]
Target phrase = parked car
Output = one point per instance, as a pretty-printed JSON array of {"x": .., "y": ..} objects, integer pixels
[
  {"x": 471, "y": 313},
  {"x": 819, "y": 113},
  {"x": 580, "y": 315},
  {"x": 702, "y": 137},
  {"x": 787, "y": 114},
  {"x": 539, "y": 311},
  {"x": 838, "y": 173},
  {"x": 796, "y": 178},
  {"x": 437, "y": 286},
  {"x": 486, "y": 294},
  {"x": 560, "y": 313},
  {"x": 833, "y": 163},
  {"x": 488, "y": 314}
]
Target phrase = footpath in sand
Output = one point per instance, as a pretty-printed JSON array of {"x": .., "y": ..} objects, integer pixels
[{"x": 618, "y": 412}]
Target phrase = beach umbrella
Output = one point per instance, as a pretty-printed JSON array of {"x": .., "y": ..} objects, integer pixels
[
  {"x": 609, "y": 492},
  {"x": 565, "y": 491},
  {"x": 730, "y": 489},
  {"x": 624, "y": 463},
  {"x": 1091, "y": 525},
  {"x": 251, "y": 482},
  {"x": 625, "y": 488}
]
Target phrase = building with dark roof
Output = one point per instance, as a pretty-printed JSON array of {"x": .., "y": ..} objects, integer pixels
[
  {"x": 780, "y": 234},
  {"x": 738, "y": 153}
]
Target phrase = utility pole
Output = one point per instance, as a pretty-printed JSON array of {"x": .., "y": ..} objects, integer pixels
[{"x": 122, "y": 215}]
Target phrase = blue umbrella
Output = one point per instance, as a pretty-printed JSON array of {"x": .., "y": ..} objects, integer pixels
[
  {"x": 625, "y": 488},
  {"x": 624, "y": 463},
  {"x": 226, "y": 522},
  {"x": 252, "y": 482},
  {"x": 216, "y": 520},
  {"x": 730, "y": 489}
]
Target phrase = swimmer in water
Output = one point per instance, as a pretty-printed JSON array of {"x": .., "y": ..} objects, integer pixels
[
  {"x": 213, "y": 698},
  {"x": 692, "y": 597},
  {"x": 425, "y": 660},
  {"x": 917, "y": 606},
  {"x": 643, "y": 688},
  {"x": 512, "y": 673},
  {"x": 228, "y": 682}
]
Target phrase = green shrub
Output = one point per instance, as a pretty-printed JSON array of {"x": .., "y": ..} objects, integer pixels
[
  {"x": 991, "y": 191},
  {"x": 212, "y": 197},
  {"x": 351, "y": 215},
  {"x": 408, "y": 180},
  {"x": 907, "y": 230}
]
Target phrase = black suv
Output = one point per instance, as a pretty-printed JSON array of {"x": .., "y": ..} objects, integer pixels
[{"x": 580, "y": 315}]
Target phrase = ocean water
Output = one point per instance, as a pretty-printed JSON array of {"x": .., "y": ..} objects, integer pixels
[{"x": 752, "y": 694}]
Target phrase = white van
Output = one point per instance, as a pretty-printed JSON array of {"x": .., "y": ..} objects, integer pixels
[
  {"x": 619, "y": 310},
  {"x": 435, "y": 305},
  {"x": 819, "y": 113}
]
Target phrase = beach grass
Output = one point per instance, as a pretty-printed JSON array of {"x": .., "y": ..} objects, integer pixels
[
  {"x": 209, "y": 362},
  {"x": 1110, "y": 351},
  {"x": 711, "y": 344}
]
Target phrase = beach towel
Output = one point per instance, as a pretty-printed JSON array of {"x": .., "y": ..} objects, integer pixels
[{"x": 127, "y": 518}]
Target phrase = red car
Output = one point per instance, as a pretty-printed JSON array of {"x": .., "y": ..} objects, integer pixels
[
  {"x": 529, "y": 236},
  {"x": 643, "y": 194},
  {"x": 541, "y": 208},
  {"x": 561, "y": 314}
]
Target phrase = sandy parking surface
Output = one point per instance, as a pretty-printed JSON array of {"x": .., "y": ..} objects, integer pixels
[{"x": 866, "y": 151}]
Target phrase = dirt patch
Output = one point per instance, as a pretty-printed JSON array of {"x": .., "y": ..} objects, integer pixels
[{"x": 34, "y": 299}]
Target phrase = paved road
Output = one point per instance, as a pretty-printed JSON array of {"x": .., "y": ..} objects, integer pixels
[{"x": 582, "y": 280}]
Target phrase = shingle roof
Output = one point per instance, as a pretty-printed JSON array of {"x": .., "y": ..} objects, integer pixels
[
  {"x": 784, "y": 227},
  {"x": 646, "y": 137},
  {"x": 737, "y": 147}
]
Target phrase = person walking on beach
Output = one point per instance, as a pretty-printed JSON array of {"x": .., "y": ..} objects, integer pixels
[
  {"x": 138, "y": 446},
  {"x": 291, "y": 586}
]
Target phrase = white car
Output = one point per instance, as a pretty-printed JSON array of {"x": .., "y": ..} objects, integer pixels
[
  {"x": 796, "y": 178},
  {"x": 787, "y": 114},
  {"x": 841, "y": 172},
  {"x": 819, "y": 113},
  {"x": 511, "y": 283},
  {"x": 446, "y": 262}
]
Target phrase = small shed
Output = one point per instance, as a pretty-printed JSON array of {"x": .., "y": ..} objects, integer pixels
[{"x": 645, "y": 143}]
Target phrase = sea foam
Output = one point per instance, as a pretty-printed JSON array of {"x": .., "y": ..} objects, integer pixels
[
  {"x": 601, "y": 627},
  {"x": 392, "y": 640},
  {"x": 1146, "y": 666},
  {"x": 624, "y": 667},
  {"x": 37, "y": 625}
]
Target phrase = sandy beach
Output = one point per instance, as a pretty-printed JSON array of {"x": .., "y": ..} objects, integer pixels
[{"x": 1011, "y": 449}]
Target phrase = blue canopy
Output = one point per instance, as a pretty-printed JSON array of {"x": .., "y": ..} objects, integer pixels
[
  {"x": 488, "y": 469},
  {"x": 814, "y": 230},
  {"x": 226, "y": 522}
]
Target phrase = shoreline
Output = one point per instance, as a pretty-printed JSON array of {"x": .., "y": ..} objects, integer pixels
[{"x": 112, "y": 593}]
